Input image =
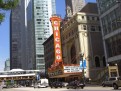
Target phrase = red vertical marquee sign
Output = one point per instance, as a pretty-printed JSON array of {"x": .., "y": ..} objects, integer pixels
[{"x": 55, "y": 20}]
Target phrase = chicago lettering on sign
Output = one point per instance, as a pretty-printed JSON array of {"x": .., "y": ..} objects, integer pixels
[{"x": 57, "y": 41}]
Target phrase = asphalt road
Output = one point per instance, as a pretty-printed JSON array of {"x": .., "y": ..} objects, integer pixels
[{"x": 97, "y": 88}]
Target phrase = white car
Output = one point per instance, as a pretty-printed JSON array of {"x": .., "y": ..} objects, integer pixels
[
  {"x": 42, "y": 83},
  {"x": 65, "y": 84}
]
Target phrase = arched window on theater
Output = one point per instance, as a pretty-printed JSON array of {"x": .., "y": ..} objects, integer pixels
[
  {"x": 73, "y": 55},
  {"x": 97, "y": 61}
]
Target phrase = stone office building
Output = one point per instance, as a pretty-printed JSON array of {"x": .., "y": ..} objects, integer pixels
[{"x": 82, "y": 35}]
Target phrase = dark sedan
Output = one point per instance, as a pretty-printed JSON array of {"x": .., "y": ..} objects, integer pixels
[
  {"x": 75, "y": 84},
  {"x": 56, "y": 84}
]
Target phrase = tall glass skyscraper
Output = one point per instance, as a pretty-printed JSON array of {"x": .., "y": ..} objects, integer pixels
[
  {"x": 30, "y": 27},
  {"x": 22, "y": 36},
  {"x": 110, "y": 17},
  {"x": 43, "y": 10}
]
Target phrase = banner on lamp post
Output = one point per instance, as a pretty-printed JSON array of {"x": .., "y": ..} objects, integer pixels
[{"x": 83, "y": 64}]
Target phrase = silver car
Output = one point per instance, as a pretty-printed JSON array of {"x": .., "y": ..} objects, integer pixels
[{"x": 109, "y": 81}]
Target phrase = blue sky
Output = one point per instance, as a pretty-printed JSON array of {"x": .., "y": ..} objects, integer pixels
[{"x": 4, "y": 31}]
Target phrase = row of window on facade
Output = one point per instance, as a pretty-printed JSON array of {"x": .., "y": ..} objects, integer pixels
[
  {"x": 40, "y": 67},
  {"x": 43, "y": 14},
  {"x": 42, "y": 6},
  {"x": 41, "y": 1},
  {"x": 40, "y": 61},
  {"x": 83, "y": 27},
  {"x": 42, "y": 32},
  {"x": 90, "y": 18},
  {"x": 91, "y": 28},
  {"x": 43, "y": 23},
  {"x": 38, "y": 50},
  {"x": 112, "y": 21},
  {"x": 39, "y": 33},
  {"x": 106, "y": 4},
  {"x": 39, "y": 56},
  {"x": 42, "y": 20},
  {"x": 113, "y": 45}
]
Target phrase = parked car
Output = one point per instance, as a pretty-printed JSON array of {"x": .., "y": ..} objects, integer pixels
[
  {"x": 109, "y": 82},
  {"x": 56, "y": 84},
  {"x": 3, "y": 84},
  {"x": 42, "y": 83},
  {"x": 75, "y": 84},
  {"x": 65, "y": 84},
  {"x": 117, "y": 83}
]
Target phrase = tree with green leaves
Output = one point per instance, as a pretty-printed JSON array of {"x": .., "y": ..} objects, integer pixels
[{"x": 6, "y": 5}]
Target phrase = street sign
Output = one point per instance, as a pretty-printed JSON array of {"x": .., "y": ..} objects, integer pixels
[{"x": 83, "y": 65}]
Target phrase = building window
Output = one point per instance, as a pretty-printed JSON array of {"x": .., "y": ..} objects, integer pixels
[
  {"x": 109, "y": 48},
  {"x": 84, "y": 27},
  {"x": 37, "y": 13},
  {"x": 37, "y": 7},
  {"x": 93, "y": 18},
  {"x": 82, "y": 17},
  {"x": 93, "y": 28},
  {"x": 38, "y": 22},
  {"x": 40, "y": 56},
  {"x": 104, "y": 62},
  {"x": 97, "y": 18},
  {"x": 88, "y": 18},
  {"x": 73, "y": 55},
  {"x": 99, "y": 28},
  {"x": 39, "y": 38},
  {"x": 97, "y": 62},
  {"x": 38, "y": 19}
]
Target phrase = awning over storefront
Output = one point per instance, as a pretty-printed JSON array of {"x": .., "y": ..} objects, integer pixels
[
  {"x": 65, "y": 71},
  {"x": 67, "y": 75}
]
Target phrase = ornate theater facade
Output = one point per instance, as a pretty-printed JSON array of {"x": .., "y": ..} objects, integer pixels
[
  {"x": 75, "y": 50},
  {"x": 58, "y": 69}
]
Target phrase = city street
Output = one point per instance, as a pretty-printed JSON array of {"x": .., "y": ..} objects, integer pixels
[{"x": 97, "y": 88}]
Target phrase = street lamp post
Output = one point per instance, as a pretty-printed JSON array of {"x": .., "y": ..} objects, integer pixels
[{"x": 83, "y": 76}]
